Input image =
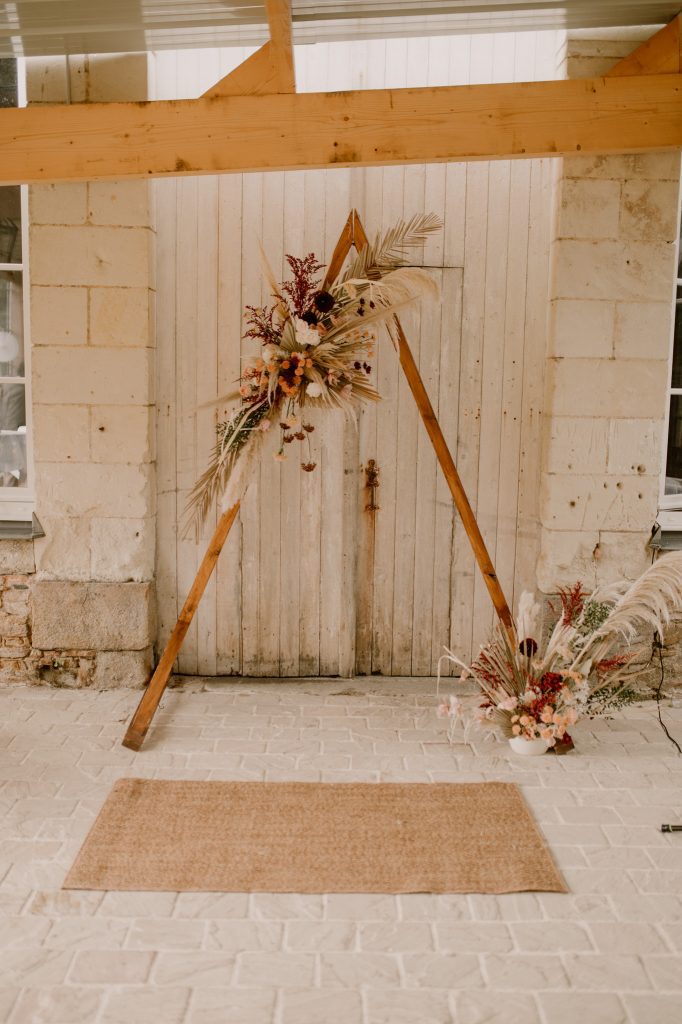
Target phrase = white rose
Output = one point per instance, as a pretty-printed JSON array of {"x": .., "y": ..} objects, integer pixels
[
  {"x": 305, "y": 334},
  {"x": 314, "y": 390}
]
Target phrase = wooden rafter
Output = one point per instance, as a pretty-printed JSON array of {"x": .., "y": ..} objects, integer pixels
[
  {"x": 271, "y": 68},
  {"x": 659, "y": 55},
  {"x": 279, "y": 21},
  {"x": 363, "y": 128}
]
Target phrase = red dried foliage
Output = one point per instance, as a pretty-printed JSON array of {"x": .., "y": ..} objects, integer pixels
[
  {"x": 572, "y": 602},
  {"x": 304, "y": 284},
  {"x": 606, "y": 666},
  {"x": 260, "y": 324}
]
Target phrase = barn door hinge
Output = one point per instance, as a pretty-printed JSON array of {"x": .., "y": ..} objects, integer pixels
[{"x": 371, "y": 483}]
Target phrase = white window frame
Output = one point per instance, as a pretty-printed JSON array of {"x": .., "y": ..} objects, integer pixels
[
  {"x": 18, "y": 503},
  {"x": 670, "y": 505}
]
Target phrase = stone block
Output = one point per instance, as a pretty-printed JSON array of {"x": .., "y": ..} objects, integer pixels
[
  {"x": 90, "y": 255},
  {"x": 122, "y": 433},
  {"x": 115, "y": 669},
  {"x": 621, "y": 270},
  {"x": 64, "y": 552},
  {"x": 614, "y": 43},
  {"x": 16, "y": 556},
  {"x": 64, "y": 203},
  {"x": 122, "y": 549},
  {"x": 92, "y": 376},
  {"x": 623, "y": 556},
  {"x": 577, "y": 445},
  {"x": 15, "y": 598},
  {"x": 120, "y": 317},
  {"x": 94, "y": 490},
  {"x": 642, "y": 330},
  {"x": 46, "y": 80},
  {"x": 13, "y": 625},
  {"x": 119, "y": 203},
  {"x": 607, "y": 387},
  {"x": 14, "y": 647},
  {"x": 59, "y": 316},
  {"x": 615, "y": 167},
  {"x": 566, "y": 556},
  {"x": 663, "y": 166},
  {"x": 582, "y": 327},
  {"x": 614, "y": 503},
  {"x": 92, "y": 616},
  {"x": 590, "y": 208},
  {"x": 117, "y": 77},
  {"x": 61, "y": 433},
  {"x": 588, "y": 67},
  {"x": 634, "y": 447},
  {"x": 649, "y": 210}
]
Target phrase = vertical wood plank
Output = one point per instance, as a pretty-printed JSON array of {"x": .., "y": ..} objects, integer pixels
[
  {"x": 206, "y": 355},
  {"x": 269, "y": 574},
  {"x": 368, "y": 199},
  {"x": 448, "y": 416},
  {"x": 311, "y": 513},
  {"x": 253, "y": 294},
  {"x": 228, "y": 570},
  {"x": 473, "y": 297},
  {"x": 290, "y": 538}
]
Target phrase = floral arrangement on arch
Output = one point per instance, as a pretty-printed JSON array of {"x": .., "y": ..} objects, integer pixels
[
  {"x": 540, "y": 686},
  {"x": 316, "y": 345}
]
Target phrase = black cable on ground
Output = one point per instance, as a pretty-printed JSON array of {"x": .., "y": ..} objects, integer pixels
[{"x": 658, "y": 646}]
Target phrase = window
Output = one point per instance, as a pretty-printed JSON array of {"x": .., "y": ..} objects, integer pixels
[
  {"x": 16, "y": 470},
  {"x": 672, "y": 490}
]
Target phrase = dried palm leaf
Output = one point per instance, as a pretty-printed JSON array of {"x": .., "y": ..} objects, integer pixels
[
  {"x": 224, "y": 457},
  {"x": 388, "y": 252},
  {"x": 649, "y": 602}
]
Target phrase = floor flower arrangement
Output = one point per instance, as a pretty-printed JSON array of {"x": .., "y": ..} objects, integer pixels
[
  {"x": 538, "y": 688},
  {"x": 316, "y": 346}
]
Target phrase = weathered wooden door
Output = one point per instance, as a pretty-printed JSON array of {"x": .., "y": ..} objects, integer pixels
[{"x": 313, "y": 580}]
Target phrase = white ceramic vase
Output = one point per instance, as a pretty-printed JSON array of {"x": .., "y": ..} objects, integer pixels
[{"x": 529, "y": 748}]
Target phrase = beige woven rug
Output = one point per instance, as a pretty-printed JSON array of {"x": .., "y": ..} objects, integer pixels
[{"x": 308, "y": 837}]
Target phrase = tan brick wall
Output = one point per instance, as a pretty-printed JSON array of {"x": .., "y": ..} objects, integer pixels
[
  {"x": 609, "y": 339},
  {"x": 91, "y": 262}
]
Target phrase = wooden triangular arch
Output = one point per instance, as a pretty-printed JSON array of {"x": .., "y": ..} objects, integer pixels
[{"x": 353, "y": 235}]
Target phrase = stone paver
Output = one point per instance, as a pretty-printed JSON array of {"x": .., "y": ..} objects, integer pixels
[{"x": 608, "y": 952}]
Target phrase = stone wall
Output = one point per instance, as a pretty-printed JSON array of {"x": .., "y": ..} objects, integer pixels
[
  {"x": 613, "y": 271},
  {"x": 81, "y": 599}
]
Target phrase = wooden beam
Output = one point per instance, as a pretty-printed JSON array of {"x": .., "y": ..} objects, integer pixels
[
  {"x": 258, "y": 75},
  {"x": 92, "y": 141},
  {"x": 268, "y": 70},
  {"x": 659, "y": 55},
  {"x": 279, "y": 21}
]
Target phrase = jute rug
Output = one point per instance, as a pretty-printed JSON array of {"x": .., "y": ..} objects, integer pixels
[{"x": 310, "y": 837}]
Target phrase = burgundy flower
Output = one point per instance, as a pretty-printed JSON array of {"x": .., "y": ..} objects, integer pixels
[{"x": 323, "y": 301}]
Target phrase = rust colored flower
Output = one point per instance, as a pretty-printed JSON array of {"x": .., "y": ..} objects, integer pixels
[
  {"x": 299, "y": 435},
  {"x": 308, "y": 427},
  {"x": 308, "y": 467}
]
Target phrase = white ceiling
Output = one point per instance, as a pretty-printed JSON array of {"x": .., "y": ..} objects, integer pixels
[{"x": 42, "y": 27}]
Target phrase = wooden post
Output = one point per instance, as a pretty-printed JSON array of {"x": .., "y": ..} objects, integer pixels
[
  {"x": 141, "y": 720},
  {"x": 447, "y": 464}
]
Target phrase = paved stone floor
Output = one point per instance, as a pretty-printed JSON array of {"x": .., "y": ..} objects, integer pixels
[{"x": 609, "y": 952}]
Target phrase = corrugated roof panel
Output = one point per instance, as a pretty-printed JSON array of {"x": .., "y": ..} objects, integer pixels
[{"x": 43, "y": 27}]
